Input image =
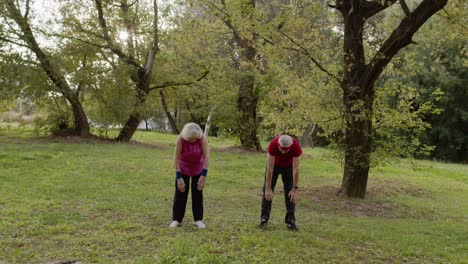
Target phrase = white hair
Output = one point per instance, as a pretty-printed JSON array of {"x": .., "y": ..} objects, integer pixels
[
  {"x": 191, "y": 131},
  {"x": 285, "y": 141}
]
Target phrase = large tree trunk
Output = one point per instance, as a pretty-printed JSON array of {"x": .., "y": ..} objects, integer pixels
[
  {"x": 357, "y": 117},
  {"x": 358, "y": 142},
  {"x": 135, "y": 118},
  {"x": 247, "y": 109},
  {"x": 129, "y": 127},
  {"x": 81, "y": 124}
]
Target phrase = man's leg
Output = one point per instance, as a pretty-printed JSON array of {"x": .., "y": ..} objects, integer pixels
[
  {"x": 266, "y": 205},
  {"x": 180, "y": 201},
  {"x": 287, "y": 177}
]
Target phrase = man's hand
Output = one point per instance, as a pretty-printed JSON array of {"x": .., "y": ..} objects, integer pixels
[
  {"x": 181, "y": 185},
  {"x": 268, "y": 194},
  {"x": 201, "y": 183},
  {"x": 293, "y": 196}
]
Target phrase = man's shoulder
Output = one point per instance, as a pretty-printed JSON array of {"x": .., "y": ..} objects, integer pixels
[
  {"x": 273, "y": 146},
  {"x": 297, "y": 148}
]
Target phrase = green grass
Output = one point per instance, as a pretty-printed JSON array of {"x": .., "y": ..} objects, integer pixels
[{"x": 98, "y": 202}]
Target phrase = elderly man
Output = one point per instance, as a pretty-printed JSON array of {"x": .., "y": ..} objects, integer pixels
[{"x": 282, "y": 158}]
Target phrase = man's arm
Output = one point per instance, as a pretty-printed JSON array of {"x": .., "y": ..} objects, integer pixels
[
  {"x": 269, "y": 176},
  {"x": 296, "y": 172},
  {"x": 293, "y": 195}
]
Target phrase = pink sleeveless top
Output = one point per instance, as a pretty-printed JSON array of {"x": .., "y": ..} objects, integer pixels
[{"x": 191, "y": 158}]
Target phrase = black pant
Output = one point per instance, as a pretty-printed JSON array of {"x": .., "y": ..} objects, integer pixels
[
  {"x": 287, "y": 177},
  {"x": 180, "y": 200}
]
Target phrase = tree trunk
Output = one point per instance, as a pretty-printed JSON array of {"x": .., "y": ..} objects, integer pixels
[
  {"x": 135, "y": 118},
  {"x": 307, "y": 139},
  {"x": 81, "y": 124},
  {"x": 129, "y": 128},
  {"x": 246, "y": 97},
  {"x": 208, "y": 121},
  {"x": 168, "y": 114},
  {"x": 247, "y": 110},
  {"x": 358, "y": 144}
]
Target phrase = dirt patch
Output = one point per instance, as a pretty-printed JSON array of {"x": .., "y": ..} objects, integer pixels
[
  {"x": 379, "y": 201},
  {"x": 395, "y": 189}
]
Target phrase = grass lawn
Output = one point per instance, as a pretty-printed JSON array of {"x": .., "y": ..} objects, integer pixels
[{"x": 100, "y": 202}]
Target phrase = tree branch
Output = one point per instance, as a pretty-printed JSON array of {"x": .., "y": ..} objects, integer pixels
[
  {"x": 155, "y": 45},
  {"x": 116, "y": 50},
  {"x": 168, "y": 84},
  {"x": 269, "y": 41},
  {"x": 306, "y": 52},
  {"x": 405, "y": 8},
  {"x": 74, "y": 38},
  {"x": 81, "y": 83},
  {"x": 339, "y": 5},
  {"x": 373, "y": 7},
  {"x": 401, "y": 37},
  {"x": 227, "y": 20},
  {"x": 14, "y": 42},
  {"x": 28, "y": 8}
]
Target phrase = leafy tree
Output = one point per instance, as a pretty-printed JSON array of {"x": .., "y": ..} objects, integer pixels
[
  {"x": 364, "y": 59},
  {"x": 22, "y": 35},
  {"x": 359, "y": 78}
]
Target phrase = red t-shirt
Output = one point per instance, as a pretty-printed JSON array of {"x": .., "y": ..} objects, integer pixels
[{"x": 284, "y": 160}]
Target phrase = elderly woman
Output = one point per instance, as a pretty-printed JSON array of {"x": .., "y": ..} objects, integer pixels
[{"x": 191, "y": 164}]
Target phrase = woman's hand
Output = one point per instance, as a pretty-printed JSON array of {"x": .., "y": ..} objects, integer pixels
[
  {"x": 201, "y": 183},
  {"x": 181, "y": 185}
]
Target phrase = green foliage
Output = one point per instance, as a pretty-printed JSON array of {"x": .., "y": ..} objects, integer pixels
[
  {"x": 110, "y": 99},
  {"x": 441, "y": 77},
  {"x": 53, "y": 114},
  {"x": 98, "y": 203},
  {"x": 294, "y": 103},
  {"x": 449, "y": 79},
  {"x": 398, "y": 124}
]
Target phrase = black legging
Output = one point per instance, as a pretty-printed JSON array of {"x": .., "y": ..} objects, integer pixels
[
  {"x": 180, "y": 200},
  {"x": 287, "y": 177}
]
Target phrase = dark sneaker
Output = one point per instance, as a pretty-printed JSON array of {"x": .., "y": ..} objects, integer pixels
[
  {"x": 292, "y": 226},
  {"x": 262, "y": 224}
]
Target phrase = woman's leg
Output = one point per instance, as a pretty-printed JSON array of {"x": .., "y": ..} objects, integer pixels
[
  {"x": 197, "y": 200},
  {"x": 180, "y": 201}
]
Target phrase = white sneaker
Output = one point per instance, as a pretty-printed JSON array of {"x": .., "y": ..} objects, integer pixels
[
  {"x": 200, "y": 224},
  {"x": 174, "y": 224}
]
